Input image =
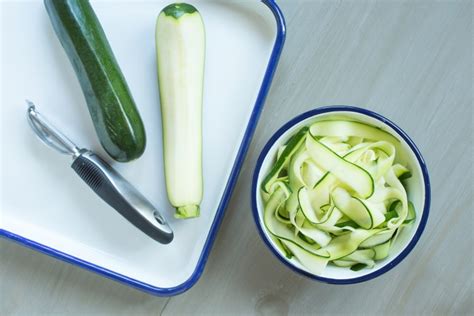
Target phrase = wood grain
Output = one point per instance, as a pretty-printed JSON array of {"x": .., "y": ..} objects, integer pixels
[{"x": 408, "y": 60}]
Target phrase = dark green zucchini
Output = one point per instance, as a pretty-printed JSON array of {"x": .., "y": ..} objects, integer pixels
[{"x": 112, "y": 108}]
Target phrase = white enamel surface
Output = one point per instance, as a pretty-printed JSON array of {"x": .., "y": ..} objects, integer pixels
[
  {"x": 43, "y": 199},
  {"x": 415, "y": 189}
]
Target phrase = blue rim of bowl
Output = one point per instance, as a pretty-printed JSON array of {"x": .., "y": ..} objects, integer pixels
[
  {"x": 186, "y": 285},
  {"x": 411, "y": 144}
]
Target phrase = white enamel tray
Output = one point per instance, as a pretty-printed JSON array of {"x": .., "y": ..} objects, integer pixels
[{"x": 44, "y": 204}]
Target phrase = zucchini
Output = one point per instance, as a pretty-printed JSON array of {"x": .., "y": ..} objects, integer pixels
[
  {"x": 358, "y": 260},
  {"x": 314, "y": 263},
  {"x": 401, "y": 172},
  {"x": 349, "y": 223},
  {"x": 395, "y": 209},
  {"x": 306, "y": 206},
  {"x": 281, "y": 231},
  {"x": 354, "y": 176},
  {"x": 343, "y": 128},
  {"x": 180, "y": 51},
  {"x": 283, "y": 248},
  {"x": 358, "y": 205},
  {"x": 353, "y": 208},
  {"x": 382, "y": 251},
  {"x": 116, "y": 119},
  {"x": 360, "y": 266},
  {"x": 346, "y": 244},
  {"x": 315, "y": 234},
  {"x": 290, "y": 149},
  {"x": 378, "y": 239}
]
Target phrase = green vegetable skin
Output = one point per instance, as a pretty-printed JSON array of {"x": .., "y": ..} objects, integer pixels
[
  {"x": 180, "y": 49},
  {"x": 114, "y": 114}
]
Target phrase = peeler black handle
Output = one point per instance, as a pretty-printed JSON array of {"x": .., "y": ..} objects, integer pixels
[{"x": 121, "y": 195}]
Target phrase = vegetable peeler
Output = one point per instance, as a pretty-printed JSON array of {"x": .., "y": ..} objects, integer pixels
[{"x": 105, "y": 181}]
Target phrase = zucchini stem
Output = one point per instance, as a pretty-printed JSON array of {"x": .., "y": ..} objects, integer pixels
[{"x": 187, "y": 211}]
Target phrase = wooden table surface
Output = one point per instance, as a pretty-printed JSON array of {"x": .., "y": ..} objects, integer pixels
[{"x": 411, "y": 61}]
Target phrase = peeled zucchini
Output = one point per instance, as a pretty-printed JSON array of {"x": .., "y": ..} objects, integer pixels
[{"x": 180, "y": 50}]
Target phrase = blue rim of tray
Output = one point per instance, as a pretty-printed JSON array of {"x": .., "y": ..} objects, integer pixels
[
  {"x": 399, "y": 131},
  {"x": 269, "y": 73}
]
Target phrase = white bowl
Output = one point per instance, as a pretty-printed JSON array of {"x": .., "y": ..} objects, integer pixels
[{"x": 418, "y": 189}]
